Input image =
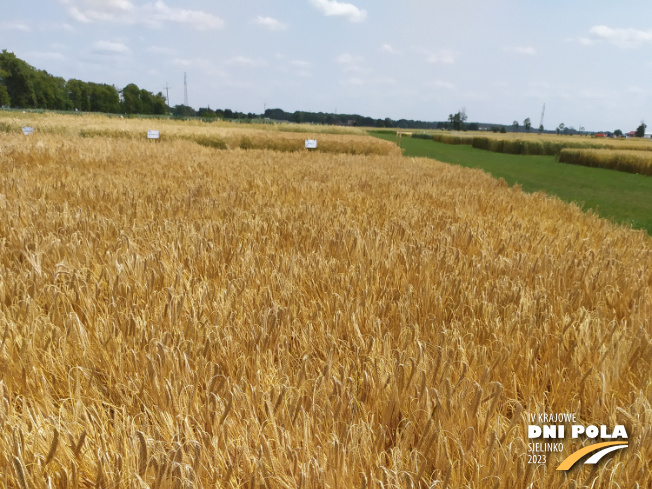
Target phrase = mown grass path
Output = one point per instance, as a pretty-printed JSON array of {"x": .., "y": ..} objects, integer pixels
[{"x": 626, "y": 198}]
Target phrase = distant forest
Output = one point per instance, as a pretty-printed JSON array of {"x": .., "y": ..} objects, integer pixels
[
  {"x": 348, "y": 120},
  {"x": 25, "y": 87}
]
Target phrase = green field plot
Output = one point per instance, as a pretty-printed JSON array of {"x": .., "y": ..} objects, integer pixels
[{"x": 626, "y": 198}]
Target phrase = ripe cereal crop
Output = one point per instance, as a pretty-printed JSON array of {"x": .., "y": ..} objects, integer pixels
[
  {"x": 176, "y": 315},
  {"x": 628, "y": 161}
]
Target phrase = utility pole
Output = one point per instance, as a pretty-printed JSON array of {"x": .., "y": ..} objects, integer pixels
[
  {"x": 185, "y": 89},
  {"x": 167, "y": 94}
]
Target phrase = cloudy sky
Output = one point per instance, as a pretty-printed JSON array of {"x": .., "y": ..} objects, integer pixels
[{"x": 589, "y": 61}]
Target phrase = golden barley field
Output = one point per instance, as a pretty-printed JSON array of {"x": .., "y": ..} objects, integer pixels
[
  {"x": 626, "y": 155},
  {"x": 624, "y": 160},
  {"x": 536, "y": 142},
  {"x": 174, "y": 315}
]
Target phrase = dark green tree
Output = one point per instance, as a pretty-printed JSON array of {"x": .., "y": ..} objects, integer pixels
[
  {"x": 206, "y": 113},
  {"x": 104, "y": 98},
  {"x": 17, "y": 77},
  {"x": 456, "y": 122},
  {"x": 50, "y": 91},
  {"x": 527, "y": 124},
  {"x": 131, "y": 99},
  {"x": 183, "y": 111},
  {"x": 79, "y": 94},
  {"x": 640, "y": 130},
  {"x": 5, "y": 99},
  {"x": 151, "y": 104}
]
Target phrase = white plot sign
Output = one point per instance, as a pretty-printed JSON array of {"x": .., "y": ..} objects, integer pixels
[
  {"x": 311, "y": 144},
  {"x": 28, "y": 130},
  {"x": 151, "y": 134}
]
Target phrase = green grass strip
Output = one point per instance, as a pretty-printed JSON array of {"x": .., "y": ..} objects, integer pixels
[{"x": 624, "y": 197}]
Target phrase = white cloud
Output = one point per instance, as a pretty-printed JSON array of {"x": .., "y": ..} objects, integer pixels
[
  {"x": 300, "y": 63},
  {"x": 385, "y": 80},
  {"x": 246, "y": 62},
  {"x": 88, "y": 11},
  {"x": 62, "y": 27},
  {"x": 153, "y": 14},
  {"x": 296, "y": 67},
  {"x": 441, "y": 84},
  {"x": 526, "y": 50},
  {"x": 161, "y": 50},
  {"x": 199, "y": 65},
  {"x": 195, "y": 19},
  {"x": 634, "y": 90},
  {"x": 622, "y": 38},
  {"x": 182, "y": 62},
  {"x": 15, "y": 25},
  {"x": 352, "y": 81},
  {"x": 591, "y": 93},
  {"x": 386, "y": 48},
  {"x": 51, "y": 55},
  {"x": 109, "y": 48},
  {"x": 347, "y": 58},
  {"x": 350, "y": 63},
  {"x": 442, "y": 56},
  {"x": 270, "y": 23},
  {"x": 584, "y": 41},
  {"x": 339, "y": 9}
]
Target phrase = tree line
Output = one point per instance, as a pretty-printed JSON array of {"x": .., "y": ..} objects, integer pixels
[
  {"x": 25, "y": 87},
  {"x": 300, "y": 117}
]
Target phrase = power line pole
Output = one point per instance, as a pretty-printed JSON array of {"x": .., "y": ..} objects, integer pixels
[
  {"x": 185, "y": 89},
  {"x": 167, "y": 94}
]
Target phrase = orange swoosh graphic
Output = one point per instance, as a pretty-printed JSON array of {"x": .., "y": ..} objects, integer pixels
[{"x": 575, "y": 456}]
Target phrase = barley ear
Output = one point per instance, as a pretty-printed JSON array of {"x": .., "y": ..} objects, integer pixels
[
  {"x": 20, "y": 471},
  {"x": 53, "y": 447},
  {"x": 142, "y": 455}
]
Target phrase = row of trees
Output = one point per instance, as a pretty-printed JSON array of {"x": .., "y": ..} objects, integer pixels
[
  {"x": 345, "y": 119},
  {"x": 23, "y": 86}
]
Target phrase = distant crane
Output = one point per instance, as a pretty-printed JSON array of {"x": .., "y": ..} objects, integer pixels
[{"x": 543, "y": 112}]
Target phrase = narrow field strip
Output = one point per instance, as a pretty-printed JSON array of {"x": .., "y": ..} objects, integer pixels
[{"x": 620, "y": 196}]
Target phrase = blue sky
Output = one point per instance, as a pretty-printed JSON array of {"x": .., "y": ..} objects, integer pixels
[{"x": 590, "y": 62}]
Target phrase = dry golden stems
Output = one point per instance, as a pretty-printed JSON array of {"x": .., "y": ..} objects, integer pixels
[
  {"x": 182, "y": 316},
  {"x": 625, "y": 160},
  {"x": 136, "y": 128}
]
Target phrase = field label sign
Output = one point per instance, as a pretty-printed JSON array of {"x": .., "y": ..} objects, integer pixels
[
  {"x": 311, "y": 144},
  {"x": 28, "y": 130},
  {"x": 152, "y": 134}
]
